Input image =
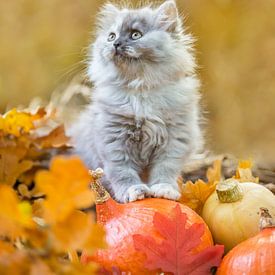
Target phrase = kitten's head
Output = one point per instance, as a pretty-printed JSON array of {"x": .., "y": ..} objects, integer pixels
[{"x": 138, "y": 44}]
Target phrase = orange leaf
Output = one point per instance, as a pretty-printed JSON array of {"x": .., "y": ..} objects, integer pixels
[
  {"x": 14, "y": 215},
  {"x": 195, "y": 194},
  {"x": 66, "y": 187},
  {"x": 6, "y": 247},
  {"x": 78, "y": 232},
  {"x": 12, "y": 163},
  {"x": 175, "y": 253},
  {"x": 19, "y": 263},
  {"x": 56, "y": 138},
  {"x": 39, "y": 267},
  {"x": 14, "y": 263},
  {"x": 244, "y": 172}
]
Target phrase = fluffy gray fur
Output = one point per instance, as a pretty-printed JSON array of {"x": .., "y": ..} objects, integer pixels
[{"x": 145, "y": 105}]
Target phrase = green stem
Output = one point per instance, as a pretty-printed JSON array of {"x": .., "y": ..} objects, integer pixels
[{"x": 229, "y": 191}]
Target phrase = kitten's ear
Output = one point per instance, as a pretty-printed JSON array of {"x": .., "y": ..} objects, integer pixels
[
  {"x": 167, "y": 15},
  {"x": 107, "y": 15}
]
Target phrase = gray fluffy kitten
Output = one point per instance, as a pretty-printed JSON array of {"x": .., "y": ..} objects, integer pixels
[{"x": 145, "y": 105}]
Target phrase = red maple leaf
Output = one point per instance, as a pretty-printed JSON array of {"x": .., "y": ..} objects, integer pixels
[{"x": 175, "y": 253}]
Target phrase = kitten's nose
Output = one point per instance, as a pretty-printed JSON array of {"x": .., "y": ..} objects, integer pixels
[{"x": 117, "y": 44}]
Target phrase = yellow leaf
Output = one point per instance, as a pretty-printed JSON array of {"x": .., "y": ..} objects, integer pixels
[
  {"x": 25, "y": 210},
  {"x": 14, "y": 215},
  {"x": 244, "y": 172},
  {"x": 66, "y": 187},
  {"x": 78, "y": 231},
  {"x": 244, "y": 164},
  {"x": 17, "y": 123},
  {"x": 195, "y": 194}
]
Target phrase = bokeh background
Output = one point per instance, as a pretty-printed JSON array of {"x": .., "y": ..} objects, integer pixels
[{"x": 42, "y": 46}]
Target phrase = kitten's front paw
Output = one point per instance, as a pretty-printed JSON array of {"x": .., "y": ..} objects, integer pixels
[
  {"x": 136, "y": 192},
  {"x": 165, "y": 190}
]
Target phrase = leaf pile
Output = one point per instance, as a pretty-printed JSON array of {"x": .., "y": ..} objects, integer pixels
[
  {"x": 27, "y": 142},
  {"x": 45, "y": 220},
  {"x": 42, "y": 227},
  {"x": 49, "y": 231}
]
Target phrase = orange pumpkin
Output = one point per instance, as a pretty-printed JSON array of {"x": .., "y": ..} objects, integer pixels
[
  {"x": 122, "y": 221},
  {"x": 256, "y": 255}
]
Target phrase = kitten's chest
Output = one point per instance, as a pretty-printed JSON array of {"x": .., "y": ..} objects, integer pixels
[
  {"x": 149, "y": 107},
  {"x": 145, "y": 139},
  {"x": 147, "y": 135},
  {"x": 142, "y": 124}
]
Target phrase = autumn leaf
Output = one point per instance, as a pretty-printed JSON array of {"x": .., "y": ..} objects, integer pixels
[
  {"x": 175, "y": 253},
  {"x": 195, "y": 194},
  {"x": 27, "y": 178},
  {"x": 24, "y": 191},
  {"x": 17, "y": 123},
  {"x": 56, "y": 138},
  {"x": 37, "y": 208},
  {"x": 6, "y": 247},
  {"x": 83, "y": 233},
  {"x": 12, "y": 162},
  {"x": 244, "y": 172},
  {"x": 39, "y": 267},
  {"x": 20, "y": 262},
  {"x": 27, "y": 140},
  {"x": 14, "y": 263},
  {"x": 66, "y": 186},
  {"x": 14, "y": 215},
  {"x": 75, "y": 268},
  {"x": 40, "y": 226}
]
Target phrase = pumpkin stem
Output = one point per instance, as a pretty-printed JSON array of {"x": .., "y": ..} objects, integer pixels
[
  {"x": 229, "y": 191},
  {"x": 266, "y": 219},
  {"x": 101, "y": 193}
]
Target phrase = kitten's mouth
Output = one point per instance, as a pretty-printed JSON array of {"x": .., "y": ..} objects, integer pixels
[{"x": 122, "y": 55}]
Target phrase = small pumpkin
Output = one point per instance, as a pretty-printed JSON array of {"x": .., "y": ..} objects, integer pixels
[
  {"x": 123, "y": 222},
  {"x": 232, "y": 212},
  {"x": 255, "y": 255}
]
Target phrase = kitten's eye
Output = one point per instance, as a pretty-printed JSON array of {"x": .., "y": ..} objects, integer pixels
[
  {"x": 112, "y": 37},
  {"x": 136, "y": 35}
]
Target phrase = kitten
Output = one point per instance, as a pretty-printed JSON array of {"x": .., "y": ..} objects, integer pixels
[{"x": 145, "y": 105}]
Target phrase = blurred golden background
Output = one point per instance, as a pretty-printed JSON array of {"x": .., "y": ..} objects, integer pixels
[{"x": 43, "y": 46}]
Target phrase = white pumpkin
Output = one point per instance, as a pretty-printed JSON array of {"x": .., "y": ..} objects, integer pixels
[{"x": 232, "y": 213}]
